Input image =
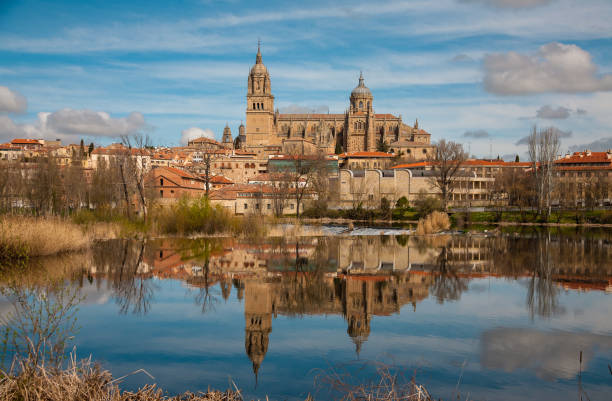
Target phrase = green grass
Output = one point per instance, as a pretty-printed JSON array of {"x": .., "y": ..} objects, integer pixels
[{"x": 556, "y": 217}]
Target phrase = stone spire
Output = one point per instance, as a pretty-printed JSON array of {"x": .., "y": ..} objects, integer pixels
[{"x": 258, "y": 57}]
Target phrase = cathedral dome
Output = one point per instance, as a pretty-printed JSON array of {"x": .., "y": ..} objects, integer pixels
[
  {"x": 259, "y": 68},
  {"x": 361, "y": 90}
]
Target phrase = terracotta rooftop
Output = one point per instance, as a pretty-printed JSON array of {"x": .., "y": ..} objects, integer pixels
[
  {"x": 585, "y": 157},
  {"x": 20, "y": 141},
  {"x": 179, "y": 172},
  {"x": 219, "y": 179},
  {"x": 470, "y": 163},
  {"x": 366, "y": 154}
]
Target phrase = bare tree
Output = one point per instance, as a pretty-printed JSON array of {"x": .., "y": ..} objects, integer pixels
[
  {"x": 137, "y": 150},
  {"x": 447, "y": 160},
  {"x": 279, "y": 192},
  {"x": 543, "y": 147},
  {"x": 300, "y": 171},
  {"x": 207, "y": 152}
]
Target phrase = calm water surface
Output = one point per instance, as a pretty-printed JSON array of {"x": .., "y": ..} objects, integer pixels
[{"x": 489, "y": 318}]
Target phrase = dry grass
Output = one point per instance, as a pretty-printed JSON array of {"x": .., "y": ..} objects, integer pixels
[
  {"x": 433, "y": 223},
  {"x": 388, "y": 384},
  {"x": 42, "y": 236},
  {"x": 86, "y": 381}
]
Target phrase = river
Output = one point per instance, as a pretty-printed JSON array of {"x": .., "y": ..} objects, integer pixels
[{"x": 479, "y": 316}]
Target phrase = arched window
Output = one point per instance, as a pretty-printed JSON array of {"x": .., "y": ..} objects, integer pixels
[
  {"x": 360, "y": 105},
  {"x": 355, "y": 125},
  {"x": 253, "y": 106},
  {"x": 368, "y": 105}
]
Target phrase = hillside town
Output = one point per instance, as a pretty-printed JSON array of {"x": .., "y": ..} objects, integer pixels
[{"x": 244, "y": 182}]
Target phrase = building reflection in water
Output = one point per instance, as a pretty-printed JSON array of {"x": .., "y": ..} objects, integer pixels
[{"x": 355, "y": 277}]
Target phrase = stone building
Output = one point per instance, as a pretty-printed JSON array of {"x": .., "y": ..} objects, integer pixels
[
  {"x": 369, "y": 186},
  {"x": 359, "y": 128}
]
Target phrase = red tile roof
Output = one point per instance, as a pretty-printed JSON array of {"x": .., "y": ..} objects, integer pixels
[
  {"x": 470, "y": 163},
  {"x": 383, "y": 116},
  {"x": 219, "y": 179},
  {"x": 179, "y": 172},
  {"x": 585, "y": 157},
  {"x": 366, "y": 154},
  {"x": 20, "y": 141}
]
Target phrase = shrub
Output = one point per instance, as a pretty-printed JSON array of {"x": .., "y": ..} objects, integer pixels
[
  {"x": 402, "y": 203},
  {"x": 433, "y": 223},
  {"x": 425, "y": 204},
  {"x": 198, "y": 216}
]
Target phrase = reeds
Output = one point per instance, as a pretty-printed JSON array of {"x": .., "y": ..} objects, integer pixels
[
  {"x": 86, "y": 381},
  {"x": 433, "y": 223},
  {"x": 29, "y": 236},
  {"x": 198, "y": 216},
  {"x": 388, "y": 384}
]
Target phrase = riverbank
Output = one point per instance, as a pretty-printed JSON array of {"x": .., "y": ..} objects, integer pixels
[{"x": 88, "y": 381}]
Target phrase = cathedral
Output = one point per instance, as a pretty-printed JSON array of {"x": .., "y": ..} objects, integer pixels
[{"x": 358, "y": 129}]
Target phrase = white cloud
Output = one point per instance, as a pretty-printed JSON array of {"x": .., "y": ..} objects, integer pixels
[
  {"x": 68, "y": 124},
  {"x": 556, "y": 67},
  {"x": 96, "y": 123},
  {"x": 11, "y": 101},
  {"x": 509, "y": 3},
  {"x": 552, "y": 113},
  {"x": 195, "y": 132}
]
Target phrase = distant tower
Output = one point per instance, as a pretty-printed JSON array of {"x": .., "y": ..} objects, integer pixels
[
  {"x": 260, "y": 104},
  {"x": 227, "y": 137},
  {"x": 240, "y": 141}
]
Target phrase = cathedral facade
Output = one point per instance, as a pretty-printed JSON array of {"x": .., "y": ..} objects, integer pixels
[{"x": 358, "y": 129}]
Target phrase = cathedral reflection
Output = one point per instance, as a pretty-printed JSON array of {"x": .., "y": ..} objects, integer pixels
[{"x": 354, "y": 277}]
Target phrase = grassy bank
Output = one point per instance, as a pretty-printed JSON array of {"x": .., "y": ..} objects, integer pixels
[
  {"x": 24, "y": 237},
  {"x": 531, "y": 217},
  {"x": 88, "y": 382}
]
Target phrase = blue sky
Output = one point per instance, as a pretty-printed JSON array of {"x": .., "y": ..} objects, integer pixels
[{"x": 482, "y": 72}]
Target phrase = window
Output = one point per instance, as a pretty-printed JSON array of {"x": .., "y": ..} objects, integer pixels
[
  {"x": 253, "y": 106},
  {"x": 424, "y": 150},
  {"x": 161, "y": 193},
  {"x": 172, "y": 191},
  {"x": 257, "y": 206},
  {"x": 291, "y": 206},
  {"x": 246, "y": 206},
  {"x": 161, "y": 182},
  {"x": 360, "y": 105},
  {"x": 269, "y": 206}
]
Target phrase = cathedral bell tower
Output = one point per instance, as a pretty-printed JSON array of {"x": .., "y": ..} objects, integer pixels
[
  {"x": 260, "y": 105},
  {"x": 361, "y": 135}
]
